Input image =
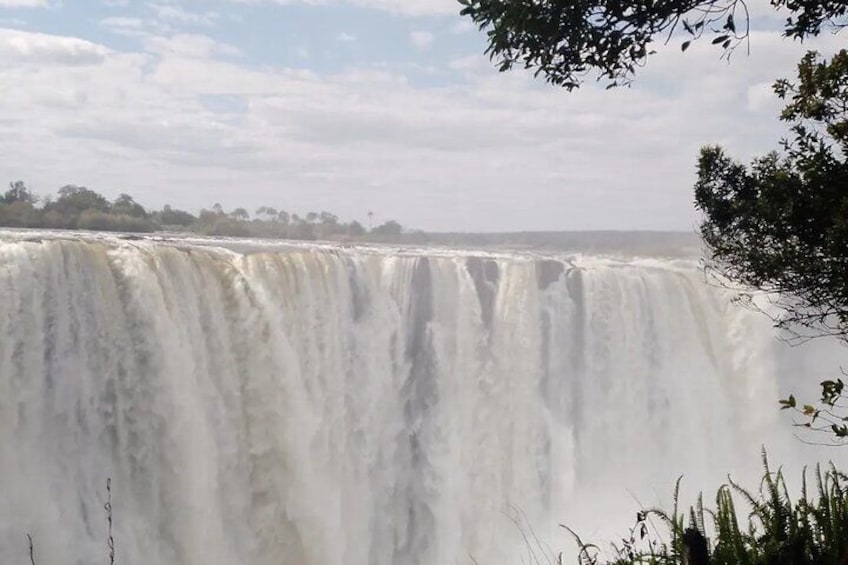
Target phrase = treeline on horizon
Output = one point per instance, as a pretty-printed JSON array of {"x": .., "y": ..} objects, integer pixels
[{"x": 77, "y": 207}]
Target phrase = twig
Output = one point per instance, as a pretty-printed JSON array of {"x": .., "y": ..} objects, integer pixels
[
  {"x": 31, "y": 550},
  {"x": 110, "y": 541}
]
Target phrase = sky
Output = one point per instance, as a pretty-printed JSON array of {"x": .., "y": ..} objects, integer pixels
[{"x": 357, "y": 105}]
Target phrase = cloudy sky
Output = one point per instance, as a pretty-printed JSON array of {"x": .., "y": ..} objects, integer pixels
[{"x": 351, "y": 105}]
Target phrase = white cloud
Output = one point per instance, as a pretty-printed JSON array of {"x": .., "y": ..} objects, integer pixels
[
  {"x": 177, "y": 14},
  {"x": 169, "y": 19},
  {"x": 121, "y": 22},
  {"x": 190, "y": 45},
  {"x": 499, "y": 151},
  {"x": 346, "y": 37},
  {"x": 462, "y": 26},
  {"x": 761, "y": 98},
  {"x": 421, "y": 39},
  {"x": 469, "y": 63},
  {"x": 405, "y": 7},
  {"x": 18, "y": 46},
  {"x": 411, "y": 7},
  {"x": 23, "y": 3},
  {"x": 133, "y": 27}
]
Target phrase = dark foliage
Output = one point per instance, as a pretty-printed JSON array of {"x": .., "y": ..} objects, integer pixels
[
  {"x": 564, "y": 40},
  {"x": 781, "y": 225}
]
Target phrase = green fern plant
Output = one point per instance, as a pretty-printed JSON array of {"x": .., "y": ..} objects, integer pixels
[{"x": 775, "y": 530}]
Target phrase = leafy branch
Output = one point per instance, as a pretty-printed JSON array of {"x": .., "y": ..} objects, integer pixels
[{"x": 829, "y": 416}]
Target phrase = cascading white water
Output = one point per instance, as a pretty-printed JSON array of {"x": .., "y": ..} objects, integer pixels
[{"x": 315, "y": 405}]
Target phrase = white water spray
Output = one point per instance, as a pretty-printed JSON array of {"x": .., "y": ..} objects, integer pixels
[{"x": 329, "y": 406}]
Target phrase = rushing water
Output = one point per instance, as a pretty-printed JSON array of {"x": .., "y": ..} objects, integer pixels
[{"x": 317, "y": 405}]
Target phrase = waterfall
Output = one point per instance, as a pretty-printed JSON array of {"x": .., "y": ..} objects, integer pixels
[{"x": 324, "y": 405}]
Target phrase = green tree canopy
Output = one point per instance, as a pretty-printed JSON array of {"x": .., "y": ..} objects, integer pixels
[
  {"x": 781, "y": 225},
  {"x": 564, "y": 40}
]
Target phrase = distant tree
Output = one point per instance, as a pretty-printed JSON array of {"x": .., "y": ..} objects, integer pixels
[
  {"x": 210, "y": 222},
  {"x": 17, "y": 207},
  {"x": 564, "y": 40},
  {"x": 171, "y": 217},
  {"x": 370, "y": 220},
  {"x": 328, "y": 218},
  {"x": 240, "y": 214},
  {"x": 390, "y": 228},
  {"x": 126, "y": 205},
  {"x": 355, "y": 229},
  {"x": 73, "y": 200},
  {"x": 91, "y": 219},
  {"x": 18, "y": 192},
  {"x": 300, "y": 228},
  {"x": 80, "y": 208},
  {"x": 207, "y": 216},
  {"x": 266, "y": 213}
]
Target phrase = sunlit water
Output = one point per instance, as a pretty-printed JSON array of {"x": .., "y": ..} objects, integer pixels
[{"x": 325, "y": 405}]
